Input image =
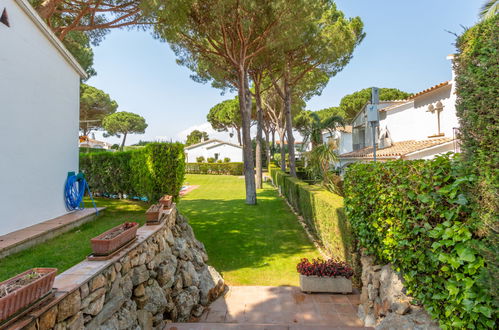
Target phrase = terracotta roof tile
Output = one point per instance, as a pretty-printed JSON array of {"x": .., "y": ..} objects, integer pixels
[
  {"x": 397, "y": 150},
  {"x": 445, "y": 83}
]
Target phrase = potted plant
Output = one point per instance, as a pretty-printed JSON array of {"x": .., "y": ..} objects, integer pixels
[
  {"x": 325, "y": 276},
  {"x": 166, "y": 201},
  {"x": 24, "y": 289},
  {"x": 113, "y": 239},
  {"x": 152, "y": 214}
]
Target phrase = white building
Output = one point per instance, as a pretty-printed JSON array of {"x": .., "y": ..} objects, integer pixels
[
  {"x": 39, "y": 103},
  {"x": 342, "y": 138},
  {"x": 86, "y": 142},
  {"x": 217, "y": 149},
  {"x": 421, "y": 127}
]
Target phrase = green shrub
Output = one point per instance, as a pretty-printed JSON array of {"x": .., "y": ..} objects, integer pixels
[
  {"x": 211, "y": 160},
  {"x": 477, "y": 89},
  {"x": 200, "y": 159},
  {"x": 151, "y": 171},
  {"x": 322, "y": 211},
  {"x": 415, "y": 215},
  {"x": 226, "y": 160},
  {"x": 219, "y": 161},
  {"x": 215, "y": 168}
]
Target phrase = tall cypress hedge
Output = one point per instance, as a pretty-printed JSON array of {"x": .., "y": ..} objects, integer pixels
[
  {"x": 477, "y": 69},
  {"x": 152, "y": 171}
]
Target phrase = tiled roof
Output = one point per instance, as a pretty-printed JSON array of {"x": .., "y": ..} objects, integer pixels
[
  {"x": 203, "y": 142},
  {"x": 431, "y": 89},
  {"x": 397, "y": 150},
  {"x": 346, "y": 129},
  {"x": 222, "y": 143}
]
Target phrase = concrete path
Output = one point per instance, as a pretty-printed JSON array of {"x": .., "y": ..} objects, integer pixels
[{"x": 276, "y": 308}]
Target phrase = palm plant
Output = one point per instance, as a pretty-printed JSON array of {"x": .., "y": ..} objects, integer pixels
[
  {"x": 311, "y": 125},
  {"x": 489, "y": 9},
  {"x": 319, "y": 161}
]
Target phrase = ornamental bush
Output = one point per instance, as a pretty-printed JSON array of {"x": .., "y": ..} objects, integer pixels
[
  {"x": 215, "y": 168},
  {"x": 415, "y": 215},
  {"x": 151, "y": 171},
  {"x": 322, "y": 211}
]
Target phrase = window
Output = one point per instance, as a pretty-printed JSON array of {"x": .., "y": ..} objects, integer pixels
[
  {"x": 5, "y": 17},
  {"x": 216, "y": 156}
]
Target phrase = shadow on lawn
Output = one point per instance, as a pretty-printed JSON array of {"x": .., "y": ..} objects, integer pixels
[{"x": 237, "y": 235}]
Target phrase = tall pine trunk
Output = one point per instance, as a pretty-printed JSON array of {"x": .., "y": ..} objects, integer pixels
[
  {"x": 289, "y": 126},
  {"x": 238, "y": 130},
  {"x": 245, "y": 108},
  {"x": 258, "y": 151},
  {"x": 267, "y": 148},
  {"x": 123, "y": 142},
  {"x": 282, "y": 134}
]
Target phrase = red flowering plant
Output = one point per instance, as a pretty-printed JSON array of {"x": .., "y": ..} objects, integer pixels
[{"x": 324, "y": 268}]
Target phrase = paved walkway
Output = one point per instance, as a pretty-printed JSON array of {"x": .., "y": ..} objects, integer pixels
[{"x": 276, "y": 308}]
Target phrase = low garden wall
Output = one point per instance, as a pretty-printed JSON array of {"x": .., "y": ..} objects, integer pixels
[
  {"x": 163, "y": 277},
  {"x": 151, "y": 171},
  {"x": 384, "y": 303},
  {"x": 215, "y": 168},
  {"x": 416, "y": 216},
  {"x": 322, "y": 211}
]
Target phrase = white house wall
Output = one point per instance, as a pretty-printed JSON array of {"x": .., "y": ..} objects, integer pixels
[
  {"x": 412, "y": 121},
  {"x": 39, "y": 105},
  {"x": 226, "y": 150}
]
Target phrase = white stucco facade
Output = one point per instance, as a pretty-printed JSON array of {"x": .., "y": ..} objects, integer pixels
[
  {"x": 216, "y": 149},
  {"x": 39, "y": 103}
]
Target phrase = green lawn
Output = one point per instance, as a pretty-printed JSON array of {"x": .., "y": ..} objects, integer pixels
[
  {"x": 72, "y": 247},
  {"x": 249, "y": 245}
]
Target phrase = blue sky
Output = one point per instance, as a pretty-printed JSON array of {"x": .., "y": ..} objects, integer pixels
[{"x": 405, "y": 47}]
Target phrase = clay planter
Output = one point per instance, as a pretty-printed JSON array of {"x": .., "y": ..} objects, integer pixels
[
  {"x": 314, "y": 283},
  {"x": 27, "y": 294},
  {"x": 152, "y": 214},
  {"x": 104, "y": 244},
  {"x": 166, "y": 201}
]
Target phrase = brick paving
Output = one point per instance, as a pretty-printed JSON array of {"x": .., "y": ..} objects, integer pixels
[{"x": 276, "y": 308}]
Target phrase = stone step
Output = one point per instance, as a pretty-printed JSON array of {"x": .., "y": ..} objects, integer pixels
[{"x": 250, "y": 326}]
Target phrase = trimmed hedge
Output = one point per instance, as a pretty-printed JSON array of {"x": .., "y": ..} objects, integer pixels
[
  {"x": 415, "y": 215},
  {"x": 152, "y": 171},
  {"x": 323, "y": 212},
  {"x": 215, "y": 168}
]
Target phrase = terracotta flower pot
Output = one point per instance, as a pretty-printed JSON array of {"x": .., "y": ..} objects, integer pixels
[
  {"x": 339, "y": 284},
  {"x": 152, "y": 214},
  {"x": 27, "y": 294},
  {"x": 166, "y": 200},
  {"x": 107, "y": 242}
]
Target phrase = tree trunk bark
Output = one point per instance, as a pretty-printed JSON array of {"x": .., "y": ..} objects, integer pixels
[
  {"x": 238, "y": 130},
  {"x": 123, "y": 142},
  {"x": 273, "y": 143},
  {"x": 258, "y": 151},
  {"x": 289, "y": 126},
  {"x": 267, "y": 148},
  {"x": 245, "y": 108},
  {"x": 282, "y": 134}
]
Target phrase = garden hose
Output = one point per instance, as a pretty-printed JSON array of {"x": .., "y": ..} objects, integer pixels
[{"x": 75, "y": 190}]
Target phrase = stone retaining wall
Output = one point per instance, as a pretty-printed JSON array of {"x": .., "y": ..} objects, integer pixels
[
  {"x": 161, "y": 278},
  {"x": 383, "y": 302}
]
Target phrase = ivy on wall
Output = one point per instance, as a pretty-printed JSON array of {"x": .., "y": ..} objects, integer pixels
[{"x": 417, "y": 216}]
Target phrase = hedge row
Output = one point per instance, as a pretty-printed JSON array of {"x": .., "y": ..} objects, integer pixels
[
  {"x": 152, "y": 171},
  {"x": 477, "y": 69},
  {"x": 323, "y": 212},
  {"x": 215, "y": 168},
  {"x": 415, "y": 215}
]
